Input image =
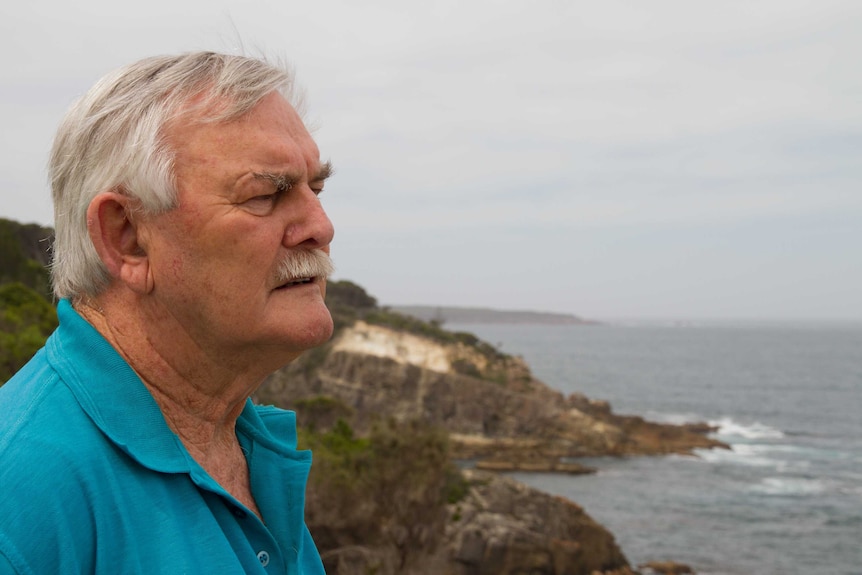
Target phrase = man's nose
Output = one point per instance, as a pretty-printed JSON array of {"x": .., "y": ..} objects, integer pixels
[{"x": 308, "y": 225}]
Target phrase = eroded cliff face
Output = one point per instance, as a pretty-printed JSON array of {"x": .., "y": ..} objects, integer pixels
[
  {"x": 401, "y": 348},
  {"x": 495, "y": 411}
]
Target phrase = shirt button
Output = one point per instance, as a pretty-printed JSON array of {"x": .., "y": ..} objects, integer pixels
[{"x": 263, "y": 557}]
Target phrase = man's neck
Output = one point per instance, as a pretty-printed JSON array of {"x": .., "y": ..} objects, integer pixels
[{"x": 200, "y": 399}]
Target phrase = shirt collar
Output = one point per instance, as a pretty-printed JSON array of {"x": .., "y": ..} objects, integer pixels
[{"x": 112, "y": 394}]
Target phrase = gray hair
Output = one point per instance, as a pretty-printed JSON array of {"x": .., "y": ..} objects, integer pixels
[{"x": 114, "y": 138}]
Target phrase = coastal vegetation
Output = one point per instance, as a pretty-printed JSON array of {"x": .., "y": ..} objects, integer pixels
[
  {"x": 27, "y": 315},
  {"x": 388, "y": 489},
  {"x": 26, "y": 321},
  {"x": 25, "y": 254}
]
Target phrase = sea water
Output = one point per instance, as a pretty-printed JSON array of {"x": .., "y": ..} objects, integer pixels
[{"x": 786, "y": 499}]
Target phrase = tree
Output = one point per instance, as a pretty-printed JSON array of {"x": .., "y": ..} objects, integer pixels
[{"x": 26, "y": 321}]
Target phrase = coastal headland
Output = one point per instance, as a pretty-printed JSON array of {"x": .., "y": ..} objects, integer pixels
[
  {"x": 450, "y": 314},
  {"x": 383, "y": 366}
]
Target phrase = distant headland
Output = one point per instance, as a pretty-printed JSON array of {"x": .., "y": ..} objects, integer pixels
[{"x": 447, "y": 314}]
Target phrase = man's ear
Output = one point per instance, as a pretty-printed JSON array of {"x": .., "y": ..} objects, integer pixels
[{"x": 115, "y": 234}]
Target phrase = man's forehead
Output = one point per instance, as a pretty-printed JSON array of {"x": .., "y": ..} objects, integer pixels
[
  {"x": 205, "y": 112},
  {"x": 205, "y": 106},
  {"x": 271, "y": 132}
]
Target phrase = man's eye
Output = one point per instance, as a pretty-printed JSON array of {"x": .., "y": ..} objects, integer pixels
[
  {"x": 260, "y": 205},
  {"x": 264, "y": 199}
]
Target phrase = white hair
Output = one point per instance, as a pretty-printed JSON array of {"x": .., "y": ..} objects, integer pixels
[{"x": 114, "y": 138}]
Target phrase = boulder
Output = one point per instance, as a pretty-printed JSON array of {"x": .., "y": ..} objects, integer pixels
[{"x": 505, "y": 528}]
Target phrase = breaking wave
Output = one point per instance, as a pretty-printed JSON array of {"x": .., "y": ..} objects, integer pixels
[{"x": 729, "y": 429}]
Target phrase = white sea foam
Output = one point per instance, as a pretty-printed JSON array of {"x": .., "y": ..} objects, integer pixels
[
  {"x": 728, "y": 428},
  {"x": 789, "y": 486},
  {"x": 757, "y": 455}
]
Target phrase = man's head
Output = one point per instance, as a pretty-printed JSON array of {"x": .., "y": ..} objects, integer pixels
[
  {"x": 114, "y": 138},
  {"x": 186, "y": 188}
]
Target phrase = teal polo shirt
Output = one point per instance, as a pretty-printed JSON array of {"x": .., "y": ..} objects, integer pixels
[{"x": 92, "y": 480}]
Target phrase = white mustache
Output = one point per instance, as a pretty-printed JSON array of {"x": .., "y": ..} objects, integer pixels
[{"x": 304, "y": 264}]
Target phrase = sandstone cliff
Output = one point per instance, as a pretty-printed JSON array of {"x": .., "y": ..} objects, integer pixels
[{"x": 495, "y": 411}]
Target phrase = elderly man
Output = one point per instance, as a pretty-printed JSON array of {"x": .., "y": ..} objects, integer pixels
[{"x": 190, "y": 262}]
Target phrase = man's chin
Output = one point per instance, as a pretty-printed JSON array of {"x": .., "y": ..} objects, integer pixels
[
  {"x": 324, "y": 331},
  {"x": 300, "y": 316},
  {"x": 310, "y": 328}
]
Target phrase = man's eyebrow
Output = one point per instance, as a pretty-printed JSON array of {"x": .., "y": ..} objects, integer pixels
[
  {"x": 279, "y": 179},
  {"x": 283, "y": 179},
  {"x": 326, "y": 170}
]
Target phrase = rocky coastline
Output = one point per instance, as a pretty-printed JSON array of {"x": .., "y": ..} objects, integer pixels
[{"x": 499, "y": 418}]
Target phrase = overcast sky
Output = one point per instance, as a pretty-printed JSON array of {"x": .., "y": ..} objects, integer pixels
[{"x": 663, "y": 159}]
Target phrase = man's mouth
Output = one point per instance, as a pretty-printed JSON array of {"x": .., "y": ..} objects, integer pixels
[{"x": 296, "y": 282}]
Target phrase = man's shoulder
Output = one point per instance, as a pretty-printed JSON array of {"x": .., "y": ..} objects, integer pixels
[
  {"x": 42, "y": 425},
  {"x": 50, "y": 452},
  {"x": 32, "y": 393}
]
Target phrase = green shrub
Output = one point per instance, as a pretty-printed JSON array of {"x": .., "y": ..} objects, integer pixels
[{"x": 392, "y": 487}]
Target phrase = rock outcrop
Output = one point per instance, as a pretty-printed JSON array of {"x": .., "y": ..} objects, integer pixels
[
  {"x": 504, "y": 527},
  {"x": 501, "y": 527}
]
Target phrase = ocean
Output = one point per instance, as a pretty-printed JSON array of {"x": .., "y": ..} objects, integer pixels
[{"x": 785, "y": 500}]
